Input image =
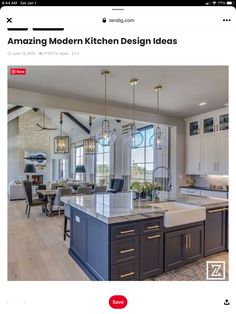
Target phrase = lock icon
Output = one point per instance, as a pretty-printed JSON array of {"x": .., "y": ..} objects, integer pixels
[{"x": 104, "y": 20}]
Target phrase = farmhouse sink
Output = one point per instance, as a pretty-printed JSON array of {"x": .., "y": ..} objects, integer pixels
[{"x": 177, "y": 213}]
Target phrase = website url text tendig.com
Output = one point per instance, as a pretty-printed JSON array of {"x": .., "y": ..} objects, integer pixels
[{"x": 119, "y": 20}]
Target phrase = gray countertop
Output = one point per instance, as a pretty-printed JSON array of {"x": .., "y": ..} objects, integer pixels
[{"x": 120, "y": 207}]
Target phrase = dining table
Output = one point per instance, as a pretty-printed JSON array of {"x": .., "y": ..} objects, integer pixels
[{"x": 50, "y": 194}]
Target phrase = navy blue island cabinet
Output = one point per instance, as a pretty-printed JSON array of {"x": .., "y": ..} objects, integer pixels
[{"x": 121, "y": 251}]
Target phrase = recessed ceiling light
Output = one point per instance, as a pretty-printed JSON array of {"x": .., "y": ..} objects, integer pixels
[{"x": 202, "y": 104}]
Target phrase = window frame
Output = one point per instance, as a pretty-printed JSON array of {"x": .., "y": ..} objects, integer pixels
[{"x": 144, "y": 163}]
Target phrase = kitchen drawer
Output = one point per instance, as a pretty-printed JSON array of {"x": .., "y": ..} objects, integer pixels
[
  {"x": 124, "y": 231},
  {"x": 190, "y": 191},
  {"x": 124, "y": 250},
  {"x": 125, "y": 271},
  {"x": 151, "y": 226}
]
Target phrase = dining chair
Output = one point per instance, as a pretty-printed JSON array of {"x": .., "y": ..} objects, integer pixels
[
  {"x": 66, "y": 232},
  {"x": 116, "y": 185},
  {"x": 100, "y": 189},
  {"x": 30, "y": 202},
  {"x": 86, "y": 190},
  {"x": 61, "y": 191}
]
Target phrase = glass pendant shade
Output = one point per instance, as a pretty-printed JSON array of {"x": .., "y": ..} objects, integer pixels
[
  {"x": 106, "y": 136},
  {"x": 89, "y": 145},
  {"x": 133, "y": 138},
  {"x": 158, "y": 140}
]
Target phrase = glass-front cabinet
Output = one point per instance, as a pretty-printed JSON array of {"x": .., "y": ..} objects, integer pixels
[
  {"x": 223, "y": 122},
  {"x": 208, "y": 125},
  {"x": 194, "y": 128}
]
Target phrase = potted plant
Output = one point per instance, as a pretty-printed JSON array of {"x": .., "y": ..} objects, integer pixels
[
  {"x": 147, "y": 189},
  {"x": 137, "y": 188},
  {"x": 156, "y": 191}
]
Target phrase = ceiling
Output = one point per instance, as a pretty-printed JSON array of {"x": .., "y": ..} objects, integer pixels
[{"x": 184, "y": 87}]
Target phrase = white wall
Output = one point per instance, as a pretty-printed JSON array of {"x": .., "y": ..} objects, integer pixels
[{"x": 13, "y": 153}]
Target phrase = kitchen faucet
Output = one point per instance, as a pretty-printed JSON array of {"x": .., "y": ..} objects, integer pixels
[{"x": 168, "y": 186}]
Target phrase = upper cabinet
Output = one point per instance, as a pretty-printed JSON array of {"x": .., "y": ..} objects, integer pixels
[
  {"x": 194, "y": 127},
  {"x": 207, "y": 143}
]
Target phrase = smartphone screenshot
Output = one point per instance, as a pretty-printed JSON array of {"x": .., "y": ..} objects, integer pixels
[{"x": 117, "y": 146}]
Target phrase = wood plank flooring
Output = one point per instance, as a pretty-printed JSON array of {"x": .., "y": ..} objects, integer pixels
[{"x": 37, "y": 251}]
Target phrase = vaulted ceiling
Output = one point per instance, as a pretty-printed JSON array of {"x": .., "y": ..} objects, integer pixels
[{"x": 184, "y": 87}]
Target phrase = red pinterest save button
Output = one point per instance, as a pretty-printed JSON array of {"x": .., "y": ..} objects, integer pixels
[
  {"x": 118, "y": 302},
  {"x": 17, "y": 71}
]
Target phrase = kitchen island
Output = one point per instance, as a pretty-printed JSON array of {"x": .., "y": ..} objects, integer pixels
[{"x": 116, "y": 238}]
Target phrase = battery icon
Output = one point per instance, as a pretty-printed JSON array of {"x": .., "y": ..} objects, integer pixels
[{"x": 229, "y": 2}]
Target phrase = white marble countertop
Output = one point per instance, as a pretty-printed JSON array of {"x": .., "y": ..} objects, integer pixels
[
  {"x": 120, "y": 207},
  {"x": 208, "y": 202},
  {"x": 113, "y": 207}
]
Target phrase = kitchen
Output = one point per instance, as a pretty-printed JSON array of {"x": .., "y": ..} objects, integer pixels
[{"x": 173, "y": 217}]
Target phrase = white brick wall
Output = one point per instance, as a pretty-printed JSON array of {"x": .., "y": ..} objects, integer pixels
[{"x": 32, "y": 140}]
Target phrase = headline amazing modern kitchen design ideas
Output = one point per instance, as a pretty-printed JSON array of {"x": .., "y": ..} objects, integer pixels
[{"x": 117, "y": 173}]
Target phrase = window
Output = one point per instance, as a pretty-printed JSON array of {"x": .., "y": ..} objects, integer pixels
[
  {"x": 102, "y": 170},
  {"x": 142, "y": 158},
  {"x": 62, "y": 168},
  {"x": 79, "y": 160}
]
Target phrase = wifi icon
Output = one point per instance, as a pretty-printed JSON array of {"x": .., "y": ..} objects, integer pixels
[{"x": 214, "y": 2}]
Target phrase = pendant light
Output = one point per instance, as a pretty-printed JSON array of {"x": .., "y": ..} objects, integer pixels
[
  {"x": 158, "y": 140},
  {"x": 61, "y": 143},
  {"x": 133, "y": 138},
  {"x": 89, "y": 144},
  {"x": 106, "y": 136}
]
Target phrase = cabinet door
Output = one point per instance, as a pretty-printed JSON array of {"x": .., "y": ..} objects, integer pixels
[
  {"x": 193, "y": 128},
  {"x": 174, "y": 249},
  {"x": 209, "y": 154},
  {"x": 194, "y": 244},
  {"x": 223, "y": 156},
  {"x": 78, "y": 233},
  {"x": 193, "y": 155},
  {"x": 151, "y": 255},
  {"x": 223, "y": 122},
  {"x": 215, "y": 240}
]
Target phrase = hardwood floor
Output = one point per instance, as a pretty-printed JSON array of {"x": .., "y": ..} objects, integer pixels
[{"x": 36, "y": 250}]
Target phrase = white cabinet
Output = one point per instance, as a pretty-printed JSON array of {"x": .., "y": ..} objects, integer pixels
[
  {"x": 193, "y": 155},
  {"x": 207, "y": 193},
  {"x": 207, "y": 143},
  {"x": 223, "y": 153},
  {"x": 189, "y": 191},
  {"x": 209, "y": 154},
  {"x": 215, "y": 153},
  {"x": 214, "y": 194}
]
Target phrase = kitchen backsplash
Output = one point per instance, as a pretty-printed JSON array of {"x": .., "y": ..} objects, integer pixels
[{"x": 210, "y": 181}]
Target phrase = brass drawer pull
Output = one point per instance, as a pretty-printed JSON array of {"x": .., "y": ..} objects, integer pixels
[
  {"x": 189, "y": 241},
  {"x": 153, "y": 237},
  {"x": 217, "y": 210},
  {"x": 126, "y": 251},
  {"x": 127, "y": 274},
  {"x": 186, "y": 241},
  {"x": 153, "y": 227},
  {"x": 127, "y": 231}
]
